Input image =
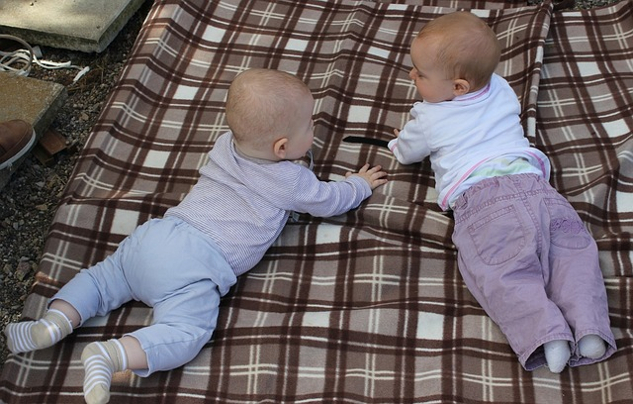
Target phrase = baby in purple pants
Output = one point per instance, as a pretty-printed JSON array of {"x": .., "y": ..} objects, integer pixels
[{"x": 523, "y": 251}]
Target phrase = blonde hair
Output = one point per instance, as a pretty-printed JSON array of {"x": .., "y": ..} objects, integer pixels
[
  {"x": 260, "y": 104},
  {"x": 466, "y": 47}
]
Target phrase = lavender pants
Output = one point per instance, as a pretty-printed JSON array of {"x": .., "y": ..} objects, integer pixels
[{"x": 528, "y": 259}]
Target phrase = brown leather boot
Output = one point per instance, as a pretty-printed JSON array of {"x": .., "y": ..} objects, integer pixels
[{"x": 16, "y": 139}]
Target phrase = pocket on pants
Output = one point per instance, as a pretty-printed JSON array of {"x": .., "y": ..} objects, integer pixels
[
  {"x": 498, "y": 236},
  {"x": 566, "y": 228}
]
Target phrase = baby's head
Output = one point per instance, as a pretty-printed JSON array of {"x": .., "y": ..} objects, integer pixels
[
  {"x": 453, "y": 55},
  {"x": 270, "y": 114}
]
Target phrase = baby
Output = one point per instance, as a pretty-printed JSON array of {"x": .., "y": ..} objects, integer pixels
[
  {"x": 183, "y": 263},
  {"x": 523, "y": 251}
]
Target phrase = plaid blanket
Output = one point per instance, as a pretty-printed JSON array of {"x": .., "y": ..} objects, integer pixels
[{"x": 367, "y": 307}]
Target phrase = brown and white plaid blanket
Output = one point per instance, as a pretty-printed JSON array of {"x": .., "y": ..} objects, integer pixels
[{"x": 368, "y": 307}]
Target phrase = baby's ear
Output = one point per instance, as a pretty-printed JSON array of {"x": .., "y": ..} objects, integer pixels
[
  {"x": 279, "y": 148},
  {"x": 460, "y": 87}
]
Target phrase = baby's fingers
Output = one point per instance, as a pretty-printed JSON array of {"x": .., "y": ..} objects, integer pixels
[
  {"x": 378, "y": 174},
  {"x": 374, "y": 169},
  {"x": 364, "y": 169}
]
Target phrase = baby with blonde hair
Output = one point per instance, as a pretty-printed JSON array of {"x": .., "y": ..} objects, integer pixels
[
  {"x": 523, "y": 251},
  {"x": 463, "y": 46}
]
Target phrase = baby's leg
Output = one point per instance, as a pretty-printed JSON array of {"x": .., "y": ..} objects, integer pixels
[
  {"x": 56, "y": 324},
  {"x": 576, "y": 284},
  {"x": 182, "y": 325},
  {"x": 93, "y": 291}
]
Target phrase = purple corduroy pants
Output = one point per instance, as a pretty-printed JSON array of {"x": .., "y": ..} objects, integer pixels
[{"x": 528, "y": 259}]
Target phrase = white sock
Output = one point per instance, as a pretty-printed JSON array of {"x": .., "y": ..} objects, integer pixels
[
  {"x": 592, "y": 346},
  {"x": 557, "y": 354},
  {"x": 101, "y": 360},
  {"x": 29, "y": 336}
]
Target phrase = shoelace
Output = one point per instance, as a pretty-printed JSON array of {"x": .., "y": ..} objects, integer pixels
[{"x": 20, "y": 61}]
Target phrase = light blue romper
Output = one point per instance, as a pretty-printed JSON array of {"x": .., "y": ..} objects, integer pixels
[
  {"x": 182, "y": 264},
  {"x": 170, "y": 266}
]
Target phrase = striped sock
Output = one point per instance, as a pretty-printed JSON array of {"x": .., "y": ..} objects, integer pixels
[
  {"x": 101, "y": 360},
  {"x": 29, "y": 336}
]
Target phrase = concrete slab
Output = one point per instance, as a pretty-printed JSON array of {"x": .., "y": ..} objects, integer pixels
[
  {"x": 35, "y": 101},
  {"x": 83, "y": 25}
]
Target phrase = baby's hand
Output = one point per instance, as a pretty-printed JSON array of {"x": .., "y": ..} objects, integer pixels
[
  {"x": 396, "y": 132},
  {"x": 374, "y": 176}
]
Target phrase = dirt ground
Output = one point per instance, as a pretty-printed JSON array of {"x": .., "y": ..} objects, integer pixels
[{"x": 28, "y": 202}]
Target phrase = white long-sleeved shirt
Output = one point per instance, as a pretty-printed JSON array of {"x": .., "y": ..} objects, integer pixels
[
  {"x": 465, "y": 135},
  {"x": 243, "y": 204}
]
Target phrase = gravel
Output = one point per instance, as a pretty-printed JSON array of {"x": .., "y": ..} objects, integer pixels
[{"x": 28, "y": 202}]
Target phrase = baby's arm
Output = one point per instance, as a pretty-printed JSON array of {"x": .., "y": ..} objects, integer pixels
[
  {"x": 374, "y": 175},
  {"x": 409, "y": 144},
  {"x": 331, "y": 198}
]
